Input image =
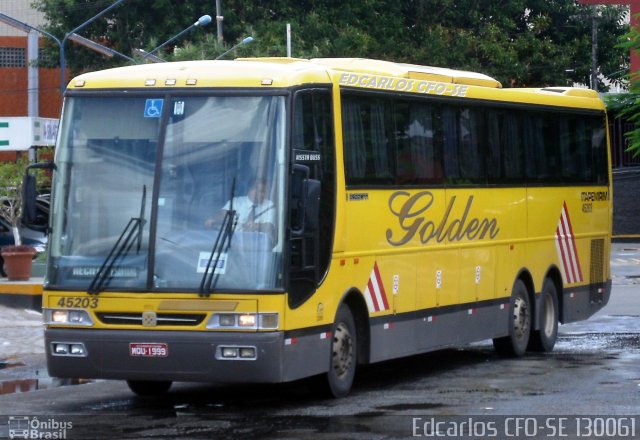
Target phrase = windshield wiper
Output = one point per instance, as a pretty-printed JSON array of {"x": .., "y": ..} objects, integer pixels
[
  {"x": 122, "y": 247},
  {"x": 221, "y": 245}
]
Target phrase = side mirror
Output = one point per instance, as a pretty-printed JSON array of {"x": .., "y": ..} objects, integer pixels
[
  {"x": 29, "y": 193},
  {"x": 28, "y": 199}
]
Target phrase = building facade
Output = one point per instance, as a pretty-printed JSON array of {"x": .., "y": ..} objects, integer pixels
[
  {"x": 30, "y": 96},
  {"x": 15, "y": 88}
]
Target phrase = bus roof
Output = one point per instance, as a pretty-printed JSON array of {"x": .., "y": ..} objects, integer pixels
[{"x": 277, "y": 72}]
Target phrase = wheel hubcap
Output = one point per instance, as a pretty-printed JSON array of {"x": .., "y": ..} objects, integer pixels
[
  {"x": 520, "y": 318},
  {"x": 342, "y": 350},
  {"x": 549, "y": 316}
]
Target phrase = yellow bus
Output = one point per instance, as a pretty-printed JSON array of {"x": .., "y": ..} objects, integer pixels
[{"x": 267, "y": 220}]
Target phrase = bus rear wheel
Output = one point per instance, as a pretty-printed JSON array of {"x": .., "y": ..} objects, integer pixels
[
  {"x": 516, "y": 343},
  {"x": 543, "y": 340},
  {"x": 342, "y": 367},
  {"x": 149, "y": 387}
]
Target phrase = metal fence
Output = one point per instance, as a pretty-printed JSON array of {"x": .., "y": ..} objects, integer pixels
[{"x": 620, "y": 158}]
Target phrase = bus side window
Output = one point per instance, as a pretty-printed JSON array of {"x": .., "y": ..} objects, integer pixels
[{"x": 311, "y": 250}]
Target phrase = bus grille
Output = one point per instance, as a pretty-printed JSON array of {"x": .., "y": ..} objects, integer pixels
[{"x": 162, "y": 319}]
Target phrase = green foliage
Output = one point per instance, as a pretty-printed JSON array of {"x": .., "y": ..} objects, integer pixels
[
  {"x": 11, "y": 192},
  {"x": 629, "y": 109},
  {"x": 617, "y": 103},
  {"x": 519, "y": 42},
  {"x": 627, "y": 106}
]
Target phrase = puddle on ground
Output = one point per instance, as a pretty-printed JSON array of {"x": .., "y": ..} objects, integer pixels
[
  {"x": 410, "y": 406},
  {"x": 27, "y": 385},
  {"x": 19, "y": 377},
  {"x": 8, "y": 364},
  {"x": 18, "y": 386}
]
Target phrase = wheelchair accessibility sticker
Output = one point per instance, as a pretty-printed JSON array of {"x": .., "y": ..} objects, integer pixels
[{"x": 153, "y": 108}]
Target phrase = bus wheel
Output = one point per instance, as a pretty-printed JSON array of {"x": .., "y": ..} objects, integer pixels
[
  {"x": 545, "y": 338},
  {"x": 519, "y": 324},
  {"x": 149, "y": 387},
  {"x": 343, "y": 354}
]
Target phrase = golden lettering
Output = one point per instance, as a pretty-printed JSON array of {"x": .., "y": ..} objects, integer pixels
[{"x": 411, "y": 212}]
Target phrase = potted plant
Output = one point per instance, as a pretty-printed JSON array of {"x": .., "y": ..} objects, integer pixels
[{"x": 17, "y": 257}]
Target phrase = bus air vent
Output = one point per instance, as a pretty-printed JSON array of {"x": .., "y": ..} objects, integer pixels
[
  {"x": 597, "y": 261},
  {"x": 596, "y": 270},
  {"x": 162, "y": 319}
]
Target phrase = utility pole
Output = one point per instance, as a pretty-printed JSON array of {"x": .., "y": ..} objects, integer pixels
[
  {"x": 219, "y": 19},
  {"x": 594, "y": 50},
  {"x": 634, "y": 9}
]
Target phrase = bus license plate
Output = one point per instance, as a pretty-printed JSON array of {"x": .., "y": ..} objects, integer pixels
[{"x": 148, "y": 350}]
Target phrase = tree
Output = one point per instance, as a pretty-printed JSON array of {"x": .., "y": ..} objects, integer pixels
[
  {"x": 627, "y": 105},
  {"x": 519, "y": 42}
]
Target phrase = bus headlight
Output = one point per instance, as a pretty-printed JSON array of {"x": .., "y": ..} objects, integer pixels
[
  {"x": 244, "y": 321},
  {"x": 76, "y": 349},
  {"x": 248, "y": 320},
  {"x": 268, "y": 321},
  {"x": 236, "y": 353},
  {"x": 67, "y": 317},
  {"x": 227, "y": 320}
]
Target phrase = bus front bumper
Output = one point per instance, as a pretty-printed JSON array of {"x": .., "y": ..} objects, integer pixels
[{"x": 164, "y": 355}]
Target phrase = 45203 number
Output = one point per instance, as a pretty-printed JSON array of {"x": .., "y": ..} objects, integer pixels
[{"x": 78, "y": 302}]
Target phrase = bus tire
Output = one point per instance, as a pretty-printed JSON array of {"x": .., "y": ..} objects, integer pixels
[
  {"x": 544, "y": 339},
  {"x": 342, "y": 367},
  {"x": 516, "y": 343},
  {"x": 149, "y": 387}
]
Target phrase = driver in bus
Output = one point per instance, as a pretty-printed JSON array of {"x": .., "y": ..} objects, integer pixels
[{"x": 254, "y": 212}]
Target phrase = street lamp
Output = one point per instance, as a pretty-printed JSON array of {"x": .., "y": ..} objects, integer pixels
[
  {"x": 202, "y": 21},
  {"x": 148, "y": 56},
  {"x": 104, "y": 50},
  {"x": 68, "y": 34},
  {"x": 242, "y": 43}
]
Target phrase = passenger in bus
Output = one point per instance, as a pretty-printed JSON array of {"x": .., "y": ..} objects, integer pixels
[{"x": 254, "y": 212}]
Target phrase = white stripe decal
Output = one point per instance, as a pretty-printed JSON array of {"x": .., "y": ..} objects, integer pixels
[
  {"x": 367, "y": 298},
  {"x": 571, "y": 246},
  {"x": 566, "y": 255},
  {"x": 374, "y": 293},
  {"x": 564, "y": 275},
  {"x": 567, "y": 250}
]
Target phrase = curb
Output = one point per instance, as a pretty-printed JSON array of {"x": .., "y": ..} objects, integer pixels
[
  {"x": 22, "y": 294},
  {"x": 628, "y": 238}
]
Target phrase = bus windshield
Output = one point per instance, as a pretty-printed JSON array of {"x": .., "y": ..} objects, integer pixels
[{"x": 173, "y": 167}]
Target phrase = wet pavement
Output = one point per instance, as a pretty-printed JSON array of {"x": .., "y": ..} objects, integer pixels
[
  {"x": 22, "y": 362},
  {"x": 22, "y": 356},
  {"x": 593, "y": 370},
  {"x": 594, "y": 373}
]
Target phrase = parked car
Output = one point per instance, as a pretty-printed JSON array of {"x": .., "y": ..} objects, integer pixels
[{"x": 36, "y": 236}]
